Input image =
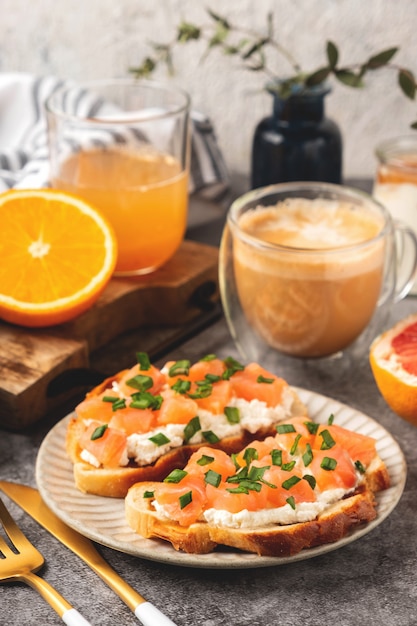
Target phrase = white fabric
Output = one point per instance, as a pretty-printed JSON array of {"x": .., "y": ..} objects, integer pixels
[{"x": 23, "y": 138}]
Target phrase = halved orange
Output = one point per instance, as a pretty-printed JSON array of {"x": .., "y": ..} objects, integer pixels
[
  {"x": 393, "y": 359},
  {"x": 57, "y": 254}
]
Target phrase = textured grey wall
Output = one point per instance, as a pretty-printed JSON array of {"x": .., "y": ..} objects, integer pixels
[{"x": 83, "y": 39}]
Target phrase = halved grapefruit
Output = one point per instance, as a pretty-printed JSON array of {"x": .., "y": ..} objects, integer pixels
[{"x": 393, "y": 359}]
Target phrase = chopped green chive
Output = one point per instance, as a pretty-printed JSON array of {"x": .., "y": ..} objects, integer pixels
[
  {"x": 263, "y": 379},
  {"x": 159, "y": 439},
  {"x": 291, "y": 502},
  {"x": 312, "y": 427},
  {"x": 328, "y": 463},
  {"x": 295, "y": 444},
  {"x": 330, "y": 420},
  {"x": 175, "y": 476},
  {"x": 181, "y": 386},
  {"x": 212, "y": 378},
  {"x": 99, "y": 431},
  {"x": 212, "y": 478},
  {"x": 233, "y": 414},
  {"x": 240, "y": 489},
  {"x": 328, "y": 441},
  {"x": 143, "y": 361},
  {"x": 283, "y": 429},
  {"x": 232, "y": 366},
  {"x": 145, "y": 400},
  {"x": 290, "y": 482},
  {"x": 360, "y": 467},
  {"x": 185, "y": 499},
  {"x": 308, "y": 455},
  {"x": 192, "y": 428},
  {"x": 140, "y": 382},
  {"x": 311, "y": 480},
  {"x": 210, "y": 436},
  {"x": 117, "y": 403},
  {"x": 180, "y": 367},
  {"x": 250, "y": 454},
  {"x": 148, "y": 494},
  {"x": 209, "y": 357},
  {"x": 204, "y": 390},
  {"x": 245, "y": 486},
  {"x": 257, "y": 473},
  {"x": 287, "y": 467},
  {"x": 205, "y": 460},
  {"x": 276, "y": 456}
]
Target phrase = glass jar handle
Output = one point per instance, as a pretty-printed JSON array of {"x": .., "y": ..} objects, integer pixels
[{"x": 402, "y": 290}]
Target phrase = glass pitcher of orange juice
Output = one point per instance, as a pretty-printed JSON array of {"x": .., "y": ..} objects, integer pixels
[{"x": 123, "y": 145}]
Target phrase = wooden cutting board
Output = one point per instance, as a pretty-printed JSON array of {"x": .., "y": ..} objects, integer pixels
[{"x": 32, "y": 359}]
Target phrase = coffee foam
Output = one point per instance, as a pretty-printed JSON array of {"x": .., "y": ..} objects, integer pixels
[{"x": 314, "y": 233}]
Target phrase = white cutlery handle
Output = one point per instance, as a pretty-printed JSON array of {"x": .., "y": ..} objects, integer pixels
[
  {"x": 149, "y": 615},
  {"x": 73, "y": 618}
]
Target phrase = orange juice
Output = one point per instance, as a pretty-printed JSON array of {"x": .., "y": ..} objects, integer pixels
[
  {"x": 314, "y": 290},
  {"x": 143, "y": 194}
]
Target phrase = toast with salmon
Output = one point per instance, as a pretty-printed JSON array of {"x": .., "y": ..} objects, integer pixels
[
  {"x": 144, "y": 422},
  {"x": 306, "y": 486}
]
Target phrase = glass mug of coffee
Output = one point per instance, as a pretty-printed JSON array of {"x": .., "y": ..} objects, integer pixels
[{"x": 310, "y": 270}]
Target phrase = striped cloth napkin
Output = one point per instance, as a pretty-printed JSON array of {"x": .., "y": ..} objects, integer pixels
[{"x": 23, "y": 138}]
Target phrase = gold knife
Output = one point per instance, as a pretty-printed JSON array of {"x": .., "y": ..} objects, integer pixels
[{"x": 29, "y": 500}]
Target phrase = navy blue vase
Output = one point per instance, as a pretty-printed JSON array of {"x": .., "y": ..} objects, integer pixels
[{"x": 297, "y": 142}]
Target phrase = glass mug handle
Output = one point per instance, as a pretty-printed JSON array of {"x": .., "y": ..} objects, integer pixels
[{"x": 402, "y": 231}]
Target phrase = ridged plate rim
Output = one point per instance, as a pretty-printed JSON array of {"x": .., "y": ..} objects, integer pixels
[{"x": 103, "y": 521}]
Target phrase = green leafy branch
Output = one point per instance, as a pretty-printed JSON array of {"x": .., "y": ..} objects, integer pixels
[{"x": 253, "y": 50}]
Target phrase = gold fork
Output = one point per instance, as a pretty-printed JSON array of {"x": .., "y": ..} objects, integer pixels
[{"x": 21, "y": 559}]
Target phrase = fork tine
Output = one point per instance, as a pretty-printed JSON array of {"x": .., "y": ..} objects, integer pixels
[
  {"x": 22, "y": 564},
  {"x": 12, "y": 529},
  {"x": 5, "y": 549}
]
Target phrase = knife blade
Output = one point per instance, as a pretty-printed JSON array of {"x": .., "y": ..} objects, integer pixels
[{"x": 29, "y": 499}]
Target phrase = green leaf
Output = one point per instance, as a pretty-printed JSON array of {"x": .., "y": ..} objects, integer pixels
[
  {"x": 187, "y": 32},
  {"x": 318, "y": 77},
  {"x": 217, "y": 18},
  {"x": 258, "y": 45},
  {"x": 381, "y": 59},
  {"x": 349, "y": 78},
  {"x": 407, "y": 83},
  {"x": 145, "y": 69},
  {"x": 332, "y": 54},
  {"x": 219, "y": 36}
]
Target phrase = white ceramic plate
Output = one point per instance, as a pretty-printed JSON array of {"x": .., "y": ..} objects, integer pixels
[{"x": 102, "y": 519}]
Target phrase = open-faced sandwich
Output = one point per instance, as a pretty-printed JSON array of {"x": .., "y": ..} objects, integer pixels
[
  {"x": 307, "y": 485},
  {"x": 144, "y": 422}
]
